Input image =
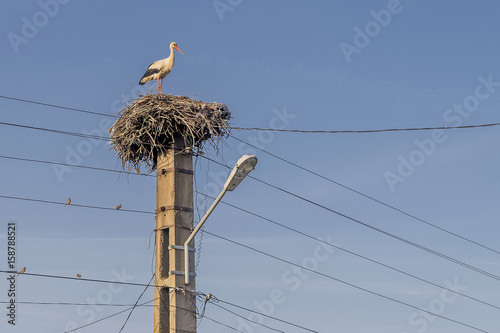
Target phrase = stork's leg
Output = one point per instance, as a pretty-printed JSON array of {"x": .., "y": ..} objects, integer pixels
[
  {"x": 161, "y": 85},
  {"x": 159, "y": 88}
]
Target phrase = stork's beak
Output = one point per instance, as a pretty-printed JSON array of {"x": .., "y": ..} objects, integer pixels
[{"x": 178, "y": 49}]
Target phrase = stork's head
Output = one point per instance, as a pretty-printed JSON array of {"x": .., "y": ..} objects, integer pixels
[{"x": 173, "y": 45}]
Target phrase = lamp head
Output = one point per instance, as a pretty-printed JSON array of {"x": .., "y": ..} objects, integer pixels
[{"x": 243, "y": 167}]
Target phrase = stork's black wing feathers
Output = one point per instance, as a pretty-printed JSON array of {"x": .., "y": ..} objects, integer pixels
[{"x": 150, "y": 71}]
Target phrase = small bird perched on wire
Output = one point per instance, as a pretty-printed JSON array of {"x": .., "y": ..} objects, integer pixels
[
  {"x": 158, "y": 70},
  {"x": 68, "y": 202},
  {"x": 118, "y": 207},
  {"x": 22, "y": 271}
]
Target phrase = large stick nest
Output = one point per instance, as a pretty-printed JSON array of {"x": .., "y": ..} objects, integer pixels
[{"x": 149, "y": 125}]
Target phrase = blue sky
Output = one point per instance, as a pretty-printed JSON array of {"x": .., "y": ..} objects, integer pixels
[{"x": 311, "y": 65}]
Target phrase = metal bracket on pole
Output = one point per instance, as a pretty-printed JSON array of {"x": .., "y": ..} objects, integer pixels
[
  {"x": 180, "y": 247},
  {"x": 182, "y": 273}
]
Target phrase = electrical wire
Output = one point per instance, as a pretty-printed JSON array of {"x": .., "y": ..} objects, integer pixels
[
  {"x": 229, "y": 303},
  {"x": 217, "y": 300},
  {"x": 213, "y": 300},
  {"x": 63, "y": 132},
  {"x": 81, "y": 135},
  {"x": 120, "y": 312},
  {"x": 430, "y": 224},
  {"x": 76, "y": 205},
  {"x": 362, "y": 131},
  {"x": 209, "y": 298},
  {"x": 253, "y": 249},
  {"x": 380, "y": 202},
  {"x": 79, "y": 279},
  {"x": 366, "y": 196},
  {"x": 401, "y": 239},
  {"x": 250, "y": 320},
  {"x": 288, "y": 228},
  {"x": 354, "y": 253},
  {"x": 104, "y": 318},
  {"x": 103, "y": 138},
  {"x": 73, "y": 304},
  {"x": 129, "y": 307},
  {"x": 276, "y": 129},
  {"x": 140, "y": 305},
  {"x": 57, "y": 106},
  {"x": 344, "y": 282},
  {"x": 222, "y": 324},
  {"x": 306, "y": 235},
  {"x": 135, "y": 305},
  {"x": 72, "y": 165}
]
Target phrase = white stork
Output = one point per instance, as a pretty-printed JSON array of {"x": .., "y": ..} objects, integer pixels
[{"x": 161, "y": 68}]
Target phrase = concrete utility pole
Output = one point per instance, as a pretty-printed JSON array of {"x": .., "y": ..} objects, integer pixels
[{"x": 175, "y": 309}]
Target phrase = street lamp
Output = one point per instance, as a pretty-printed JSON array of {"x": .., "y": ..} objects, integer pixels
[{"x": 243, "y": 167}]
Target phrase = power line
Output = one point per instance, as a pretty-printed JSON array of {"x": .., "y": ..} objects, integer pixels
[
  {"x": 140, "y": 305},
  {"x": 148, "y": 285},
  {"x": 120, "y": 312},
  {"x": 362, "y": 131},
  {"x": 73, "y": 304},
  {"x": 70, "y": 133},
  {"x": 87, "y": 136},
  {"x": 304, "y": 234},
  {"x": 354, "y": 253},
  {"x": 314, "y": 203},
  {"x": 71, "y": 165},
  {"x": 421, "y": 247},
  {"x": 129, "y": 306},
  {"x": 79, "y": 279},
  {"x": 367, "y": 196},
  {"x": 276, "y": 223},
  {"x": 104, "y": 318},
  {"x": 250, "y": 320},
  {"x": 326, "y": 178},
  {"x": 222, "y": 324},
  {"x": 259, "y": 313},
  {"x": 382, "y": 231},
  {"x": 276, "y": 129},
  {"x": 430, "y": 224},
  {"x": 57, "y": 106},
  {"x": 135, "y": 305},
  {"x": 76, "y": 205},
  {"x": 280, "y": 225},
  {"x": 344, "y": 282}
]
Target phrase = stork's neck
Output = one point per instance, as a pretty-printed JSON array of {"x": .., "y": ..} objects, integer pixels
[{"x": 172, "y": 52}]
